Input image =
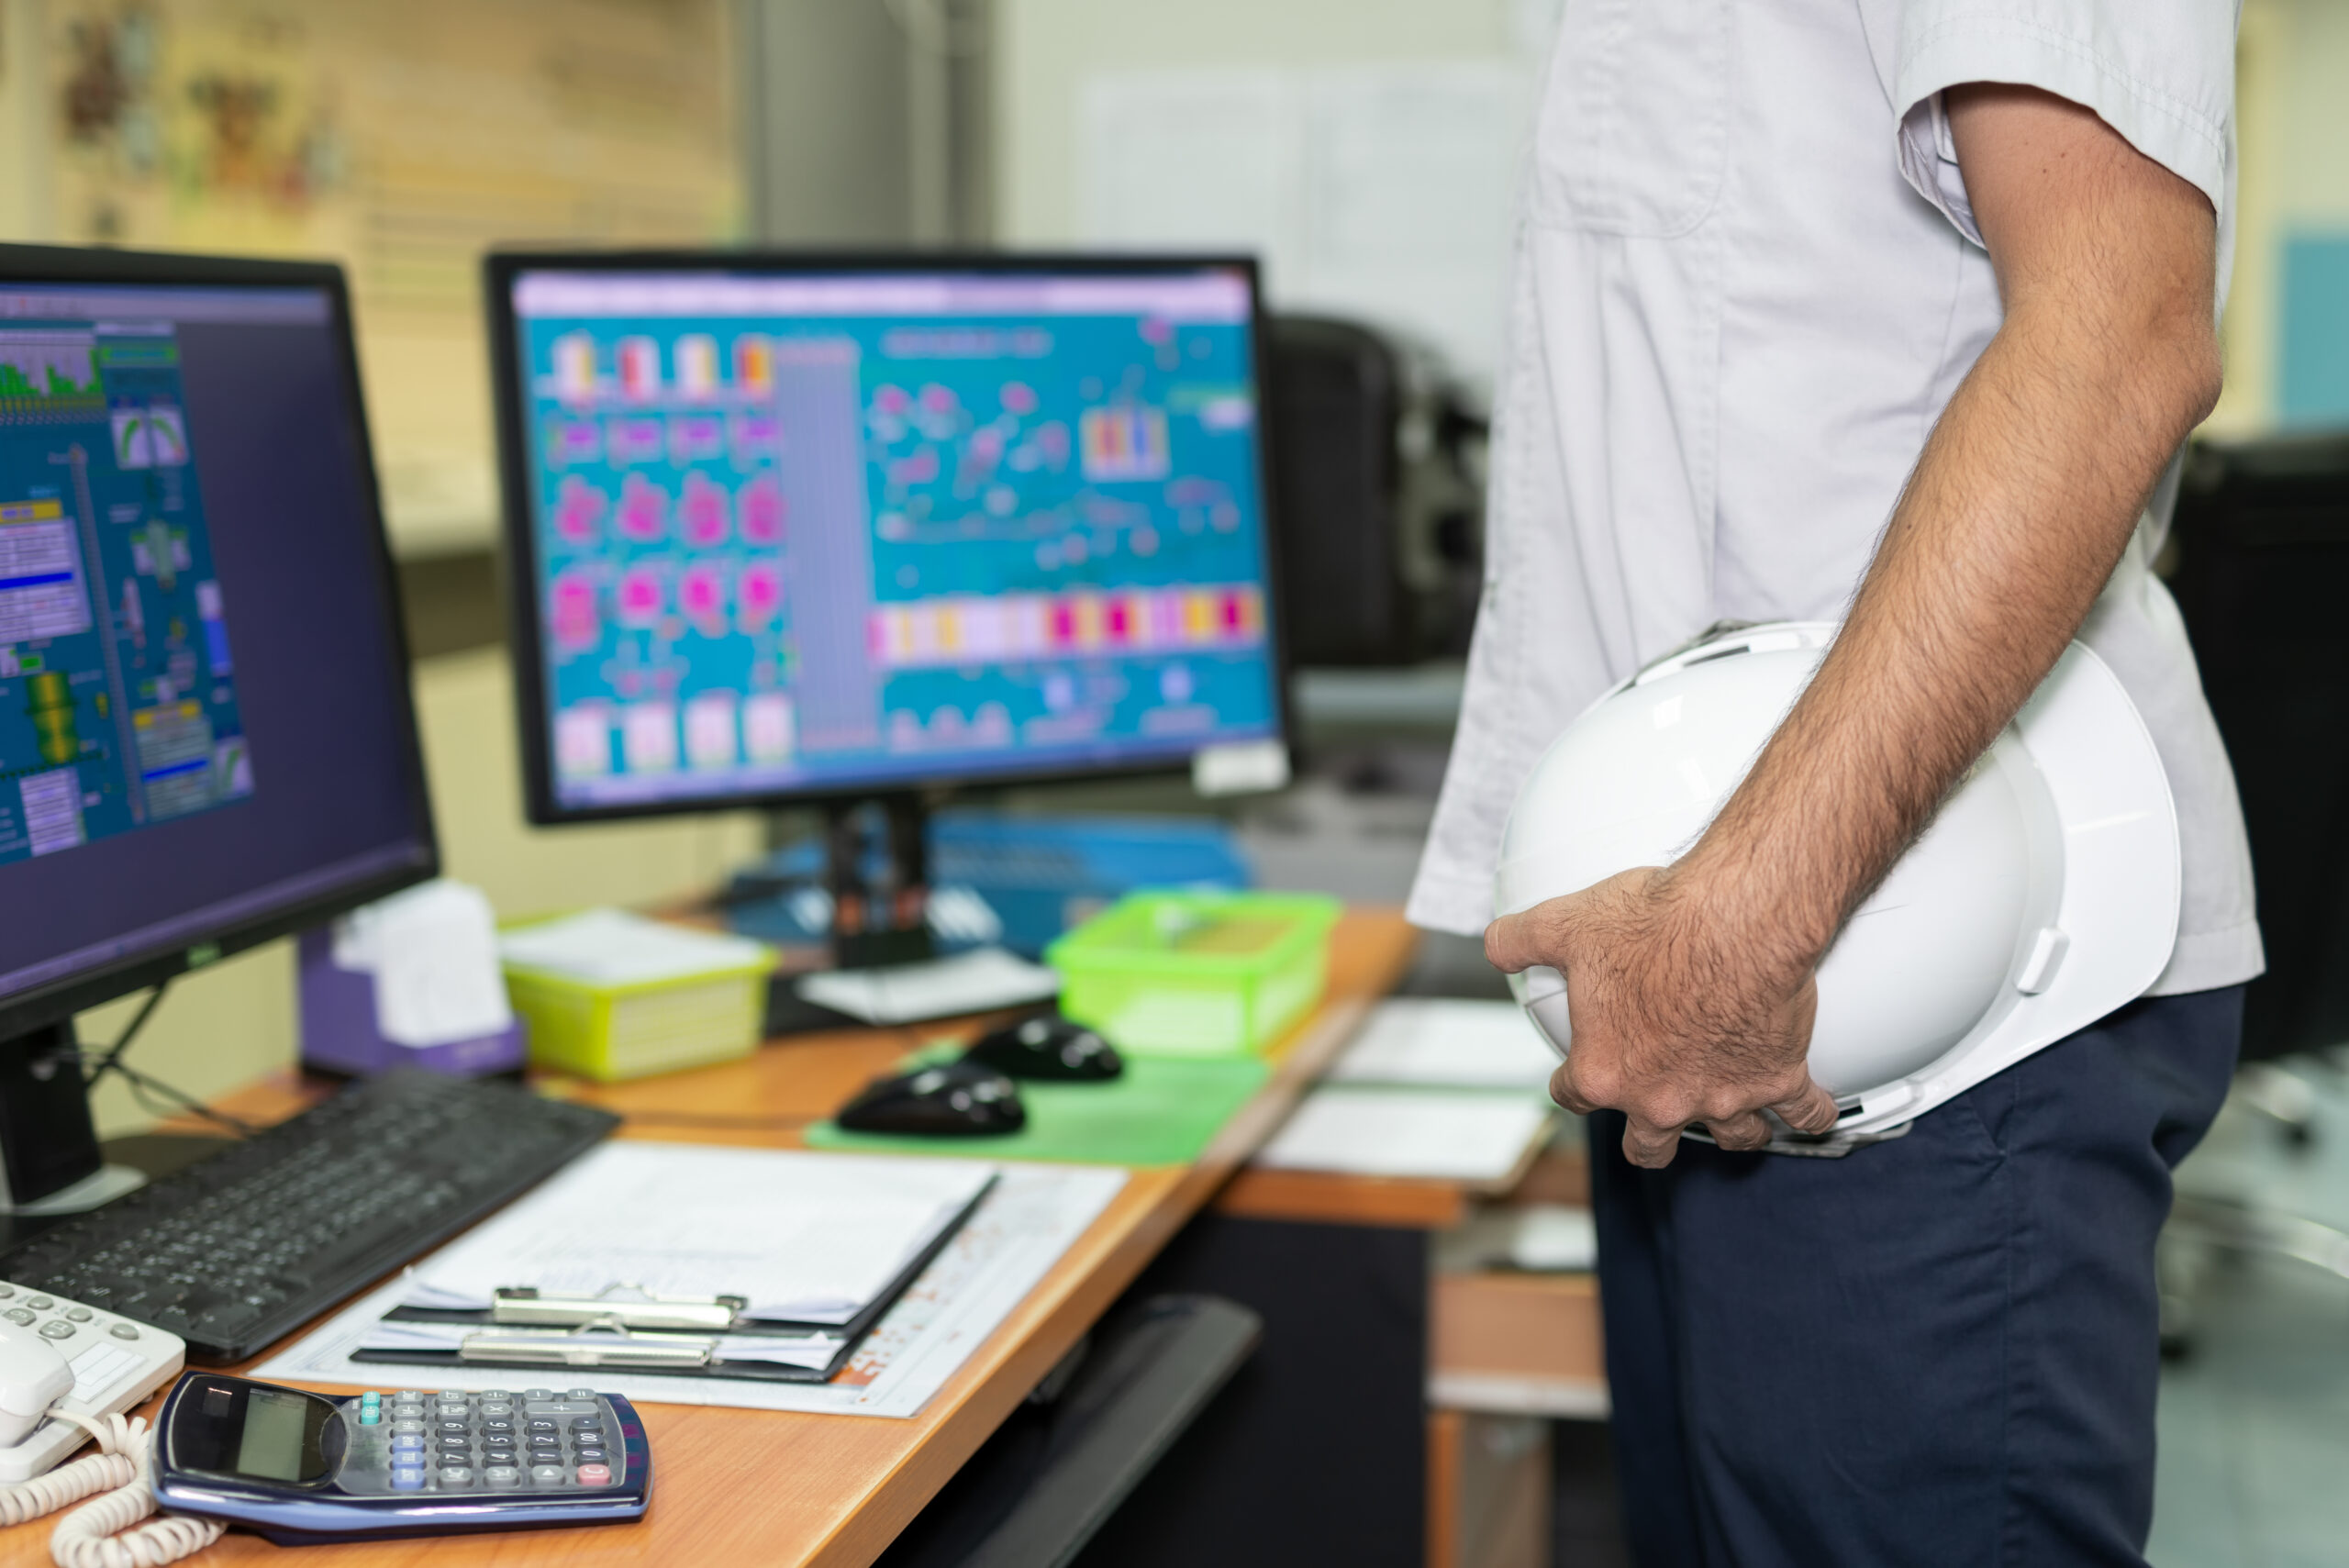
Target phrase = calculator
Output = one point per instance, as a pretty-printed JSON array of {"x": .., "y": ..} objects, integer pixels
[{"x": 302, "y": 1468}]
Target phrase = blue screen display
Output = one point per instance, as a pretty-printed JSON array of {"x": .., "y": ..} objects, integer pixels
[
  {"x": 118, "y": 695},
  {"x": 799, "y": 533}
]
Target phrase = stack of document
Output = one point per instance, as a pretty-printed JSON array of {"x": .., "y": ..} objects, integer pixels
[
  {"x": 815, "y": 1246},
  {"x": 1430, "y": 1087}
]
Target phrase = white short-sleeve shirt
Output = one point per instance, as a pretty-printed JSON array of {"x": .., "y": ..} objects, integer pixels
[{"x": 1747, "y": 282}]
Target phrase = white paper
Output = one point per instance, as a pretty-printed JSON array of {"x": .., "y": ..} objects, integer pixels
[
  {"x": 612, "y": 947},
  {"x": 1538, "y": 1238},
  {"x": 432, "y": 951},
  {"x": 1034, "y": 1214},
  {"x": 807, "y": 1236},
  {"x": 1455, "y": 1134},
  {"x": 1442, "y": 1040},
  {"x": 1383, "y": 192},
  {"x": 973, "y": 982}
]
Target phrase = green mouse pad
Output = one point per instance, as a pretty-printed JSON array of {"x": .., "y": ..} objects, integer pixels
[{"x": 1160, "y": 1111}]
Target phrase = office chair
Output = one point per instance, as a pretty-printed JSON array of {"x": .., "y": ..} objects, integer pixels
[{"x": 2262, "y": 531}]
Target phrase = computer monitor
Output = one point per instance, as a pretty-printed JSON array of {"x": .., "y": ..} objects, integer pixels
[
  {"x": 802, "y": 528},
  {"x": 206, "y": 736}
]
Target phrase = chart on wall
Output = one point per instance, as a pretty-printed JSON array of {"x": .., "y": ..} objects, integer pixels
[
  {"x": 403, "y": 137},
  {"x": 118, "y": 689},
  {"x": 877, "y": 544}
]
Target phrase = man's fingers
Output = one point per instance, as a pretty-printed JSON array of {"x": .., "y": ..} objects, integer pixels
[
  {"x": 1744, "y": 1130},
  {"x": 1812, "y": 1111},
  {"x": 1522, "y": 940},
  {"x": 1562, "y": 1090},
  {"x": 1648, "y": 1145}
]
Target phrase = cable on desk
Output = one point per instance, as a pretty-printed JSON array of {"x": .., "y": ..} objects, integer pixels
[{"x": 95, "y": 1065}]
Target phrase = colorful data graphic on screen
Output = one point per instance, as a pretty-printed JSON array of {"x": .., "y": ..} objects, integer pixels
[
  {"x": 118, "y": 695},
  {"x": 826, "y": 532}
]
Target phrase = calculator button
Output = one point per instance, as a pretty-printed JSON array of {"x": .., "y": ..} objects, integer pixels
[
  {"x": 18, "y": 1315},
  {"x": 407, "y": 1410},
  {"x": 456, "y": 1475},
  {"x": 57, "y": 1328},
  {"x": 544, "y": 1424},
  {"x": 547, "y": 1475},
  {"x": 501, "y": 1475},
  {"x": 407, "y": 1426},
  {"x": 122, "y": 1331},
  {"x": 77, "y": 1314},
  {"x": 589, "y": 1455},
  {"x": 410, "y": 1393},
  {"x": 448, "y": 1426},
  {"x": 580, "y": 1394},
  {"x": 495, "y": 1393},
  {"x": 406, "y": 1480},
  {"x": 497, "y": 1408},
  {"x": 38, "y": 1303},
  {"x": 579, "y": 1421},
  {"x": 405, "y": 1443},
  {"x": 371, "y": 1414},
  {"x": 595, "y": 1475},
  {"x": 538, "y": 1393},
  {"x": 497, "y": 1423},
  {"x": 455, "y": 1445}
]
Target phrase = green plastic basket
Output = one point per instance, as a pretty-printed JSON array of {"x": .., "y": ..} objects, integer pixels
[{"x": 1196, "y": 974}]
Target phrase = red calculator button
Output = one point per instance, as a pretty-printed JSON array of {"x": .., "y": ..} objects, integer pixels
[{"x": 595, "y": 1475}]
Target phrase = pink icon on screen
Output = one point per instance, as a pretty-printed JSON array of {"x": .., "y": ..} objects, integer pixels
[
  {"x": 644, "y": 509},
  {"x": 937, "y": 399},
  {"x": 571, "y": 611},
  {"x": 1019, "y": 397},
  {"x": 891, "y": 399},
  {"x": 758, "y": 594},
  {"x": 762, "y": 506},
  {"x": 639, "y": 596},
  {"x": 702, "y": 513},
  {"x": 578, "y": 511},
  {"x": 701, "y": 595}
]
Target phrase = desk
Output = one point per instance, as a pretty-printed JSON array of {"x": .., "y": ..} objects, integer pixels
[{"x": 753, "y": 1486}]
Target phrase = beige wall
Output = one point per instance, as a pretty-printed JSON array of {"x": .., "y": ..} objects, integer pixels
[{"x": 223, "y": 1026}]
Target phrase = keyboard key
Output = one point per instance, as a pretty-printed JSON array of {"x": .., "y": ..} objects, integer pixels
[
  {"x": 38, "y": 1303},
  {"x": 122, "y": 1331},
  {"x": 77, "y": 1314},
  {"x": 57, "y": 1328}
]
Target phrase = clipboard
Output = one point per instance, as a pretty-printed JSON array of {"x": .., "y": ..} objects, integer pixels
[{"x": 624, "y": 1329}]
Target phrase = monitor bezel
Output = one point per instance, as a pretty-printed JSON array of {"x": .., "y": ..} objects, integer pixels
[
  {"x": 69, "y": 266},
  {"x": 518, "y": 554}
]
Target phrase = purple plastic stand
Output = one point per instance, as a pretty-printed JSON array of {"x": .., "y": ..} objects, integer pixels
[{"x": 339, "y": 1032}]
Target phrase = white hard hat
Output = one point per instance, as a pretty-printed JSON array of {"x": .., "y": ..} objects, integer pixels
[{"x": 2042, "y": 897}]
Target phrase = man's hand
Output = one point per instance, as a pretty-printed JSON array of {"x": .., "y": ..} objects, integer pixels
[
  {"x": 1675, "y": 1020},
  {"x": 1690, "y": 989}
]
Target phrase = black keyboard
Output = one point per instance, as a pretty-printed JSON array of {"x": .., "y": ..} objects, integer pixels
[{"x": 255, "y": 1241}]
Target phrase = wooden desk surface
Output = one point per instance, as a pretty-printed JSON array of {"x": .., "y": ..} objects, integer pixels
[{"x": 758, "y": 1486}]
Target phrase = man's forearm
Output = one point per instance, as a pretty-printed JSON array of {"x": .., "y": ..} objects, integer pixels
[{"x": 2017, "y": 512}]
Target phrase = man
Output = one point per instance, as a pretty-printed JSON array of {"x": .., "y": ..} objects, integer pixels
[{"x": 1898, "y": 312}]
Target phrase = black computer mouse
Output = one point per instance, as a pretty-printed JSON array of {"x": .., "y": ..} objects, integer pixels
[
  {"x": 951, "y": 1099},
  {"x": 1049, "y": 1047}
]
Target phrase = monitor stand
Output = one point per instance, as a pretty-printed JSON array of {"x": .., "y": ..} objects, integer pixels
[
  {"x": 884, "y": 924},
  {"x": 50, "y": 1162}
]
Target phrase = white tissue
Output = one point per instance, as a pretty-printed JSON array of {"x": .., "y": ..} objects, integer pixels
[{"x": 433, "y": 952}]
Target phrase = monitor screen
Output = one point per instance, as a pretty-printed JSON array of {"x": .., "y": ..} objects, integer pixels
[
  {"x": 820, "y": 531},
  {"x": 204, "y": 728}
]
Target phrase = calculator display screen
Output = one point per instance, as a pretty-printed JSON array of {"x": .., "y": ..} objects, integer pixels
[
  {"x": 231, "y": 1426},
  {"x": 272, "y": 1444}
]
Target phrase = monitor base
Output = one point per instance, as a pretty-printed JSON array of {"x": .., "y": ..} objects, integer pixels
[{"x": 96, "y": 1190}]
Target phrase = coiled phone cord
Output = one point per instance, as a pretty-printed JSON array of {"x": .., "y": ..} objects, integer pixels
[{"x": 123, "y": 1471}]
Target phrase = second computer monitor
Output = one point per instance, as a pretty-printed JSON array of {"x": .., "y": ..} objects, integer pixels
[{"x": 803, "y": 529}]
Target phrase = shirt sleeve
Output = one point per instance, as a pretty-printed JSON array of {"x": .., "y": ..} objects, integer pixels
[{"x": 2162, "y": 73}]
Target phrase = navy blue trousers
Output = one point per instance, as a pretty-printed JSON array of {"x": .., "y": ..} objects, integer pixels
[{"x": 1941, "y": 1349}]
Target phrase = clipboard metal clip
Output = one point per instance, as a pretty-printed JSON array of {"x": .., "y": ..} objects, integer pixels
[
  {"x": 604, "y": 1343},
  {"x": 623, "y": 1303}
]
